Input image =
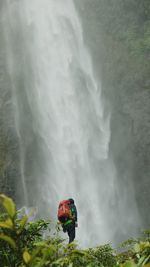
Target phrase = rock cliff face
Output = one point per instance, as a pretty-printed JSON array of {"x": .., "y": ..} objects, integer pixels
[
  {"x": 117, "y": 38},
  {"x": 9, "y": 157}
]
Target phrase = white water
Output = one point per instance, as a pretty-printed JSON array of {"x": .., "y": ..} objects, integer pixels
[{"x": 66, "y": 112}]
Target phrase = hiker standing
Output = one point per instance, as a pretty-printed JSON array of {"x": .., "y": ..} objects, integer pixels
[{"x": 67, "y": 215}]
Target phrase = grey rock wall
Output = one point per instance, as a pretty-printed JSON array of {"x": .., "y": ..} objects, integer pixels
[
  {"x": 126, "y": 88},
  {"x": 9, "y": 158}
]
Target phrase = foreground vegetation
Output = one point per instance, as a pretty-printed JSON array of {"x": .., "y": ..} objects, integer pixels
[{"x": 22, "y": 245}]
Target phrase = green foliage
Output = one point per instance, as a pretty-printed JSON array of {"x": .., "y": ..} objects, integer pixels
[
  {"x": 22, "y": 245},
  {"x": 9, "y": 205},
  {"x": 137, "y": 250},
  {"x": 17, "y": 236}
]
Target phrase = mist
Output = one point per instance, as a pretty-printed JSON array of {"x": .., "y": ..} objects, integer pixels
[{"x": 72, "y": 114}]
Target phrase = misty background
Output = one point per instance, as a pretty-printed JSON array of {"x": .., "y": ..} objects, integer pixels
[
  {"x": 117, "y": 33},
  {"x": 116, "y": 36}
]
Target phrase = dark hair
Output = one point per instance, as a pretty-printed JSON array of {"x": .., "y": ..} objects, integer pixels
[{"x": 71, "y": 200}]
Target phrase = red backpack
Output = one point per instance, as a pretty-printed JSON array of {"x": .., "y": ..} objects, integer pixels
[{"x": 64, "y": 210}]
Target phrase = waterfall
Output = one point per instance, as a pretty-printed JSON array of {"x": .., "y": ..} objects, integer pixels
[{"x": 61, "y": 125}]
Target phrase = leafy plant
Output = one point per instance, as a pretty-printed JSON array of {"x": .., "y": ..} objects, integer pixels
[
  {"x": 17, "y": 236},
  {"x": 22, "y": 245}
]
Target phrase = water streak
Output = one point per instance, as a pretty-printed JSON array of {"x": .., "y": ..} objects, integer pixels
[{"x": 64, "y": 134}]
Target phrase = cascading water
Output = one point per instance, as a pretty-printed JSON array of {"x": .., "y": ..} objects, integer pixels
[{"x": 59, "y": 113}]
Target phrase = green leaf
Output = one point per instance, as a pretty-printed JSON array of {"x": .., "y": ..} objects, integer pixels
[
  {"x": 25, "y": 218},
  {"x": 137, "y": 248},
  {"x": 26, "y": 257},
  {"x": 129, "y": 264},
  {"x": 7, "y": 224},
  {"x": 8, "y": 204},
  {"x": 23, "y": 221},
  {"x": 141, "y": 260},
  {"x": 78, "y": 252},
  {"x": 146, "y": 260},
  {"x": 41, "y": 244},
  {"x": 8, "y": 240}
]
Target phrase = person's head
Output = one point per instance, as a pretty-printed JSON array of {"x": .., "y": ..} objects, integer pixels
[{"x": 71, "y": 200}]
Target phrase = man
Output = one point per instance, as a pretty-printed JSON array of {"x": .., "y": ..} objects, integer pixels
[{"x": 70, "y": 223}]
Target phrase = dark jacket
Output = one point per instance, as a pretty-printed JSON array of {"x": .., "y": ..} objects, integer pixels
[{"x": 74, "y": 212}]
